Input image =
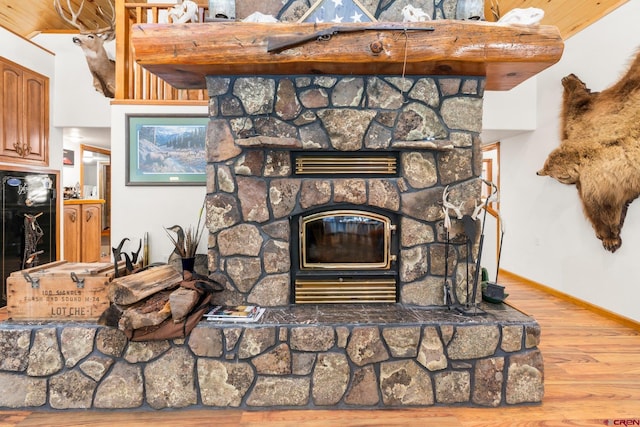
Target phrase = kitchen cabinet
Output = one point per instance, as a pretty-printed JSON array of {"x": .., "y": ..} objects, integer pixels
[
  {"x": 24, "y": 115},
  {"x": 82, "y": 230}
]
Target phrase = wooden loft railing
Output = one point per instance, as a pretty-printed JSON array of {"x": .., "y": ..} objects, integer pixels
[{"x": 133, "y": 83}]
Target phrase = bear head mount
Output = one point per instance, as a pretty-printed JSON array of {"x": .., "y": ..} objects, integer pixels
[{"x": 600, "y": 150}]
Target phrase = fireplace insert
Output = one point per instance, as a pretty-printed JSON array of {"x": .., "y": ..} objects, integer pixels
[{"x": 344, "y": 255}]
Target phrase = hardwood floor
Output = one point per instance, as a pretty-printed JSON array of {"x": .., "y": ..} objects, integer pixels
[{"x": 592, "y": 378}]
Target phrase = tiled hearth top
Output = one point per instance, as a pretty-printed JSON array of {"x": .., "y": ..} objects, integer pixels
[
  {"x": 361, "y": 314},
  {"x": 386, "y": 314}
]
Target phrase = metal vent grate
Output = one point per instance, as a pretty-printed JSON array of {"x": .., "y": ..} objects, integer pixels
[
  {"x": 346, "y": 165},
  {"x": 345, "y": 291}
]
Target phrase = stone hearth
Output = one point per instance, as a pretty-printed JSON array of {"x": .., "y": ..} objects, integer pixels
[{"x": 300, "y": 357}]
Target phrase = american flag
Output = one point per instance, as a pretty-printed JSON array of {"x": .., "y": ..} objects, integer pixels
[{"x": 337, "y": 12}]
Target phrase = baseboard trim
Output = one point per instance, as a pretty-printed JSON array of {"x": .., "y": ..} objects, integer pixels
[{"x": 633, "y": 324}]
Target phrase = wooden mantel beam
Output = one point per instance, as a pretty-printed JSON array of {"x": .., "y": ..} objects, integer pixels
[{"x": 183, "y": 54}]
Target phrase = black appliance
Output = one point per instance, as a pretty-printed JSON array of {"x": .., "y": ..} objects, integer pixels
[{"x": 29, "y": 217}]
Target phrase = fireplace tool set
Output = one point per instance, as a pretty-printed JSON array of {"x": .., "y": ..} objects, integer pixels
[{"x": 469, "y": 222}]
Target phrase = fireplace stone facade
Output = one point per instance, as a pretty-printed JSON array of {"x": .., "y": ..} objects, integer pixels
[{"x": 430, "y": 123}]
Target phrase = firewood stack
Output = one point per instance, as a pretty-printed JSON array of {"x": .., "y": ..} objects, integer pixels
[{"x": 148, "y": 298}]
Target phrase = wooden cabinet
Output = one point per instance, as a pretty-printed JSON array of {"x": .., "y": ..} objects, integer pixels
[
  {"x": 82, "y": 230},
  {"x": 24, "y": 115}
]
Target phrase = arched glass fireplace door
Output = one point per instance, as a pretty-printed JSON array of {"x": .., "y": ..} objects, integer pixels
[{"x": 345, "y": 239}]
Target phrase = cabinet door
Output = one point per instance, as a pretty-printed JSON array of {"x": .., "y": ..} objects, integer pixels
[
  {"x": 91, "y": 232},
  {"x": 72, "y": 233},
  {"x": 24, "y": 119},
  {"x": 36, "y": 116},
  {"x": 11, "y": 117}
]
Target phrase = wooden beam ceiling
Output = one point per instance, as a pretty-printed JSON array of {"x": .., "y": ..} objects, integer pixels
[
  {"x": 30, "y": 17},
  {"x": 570, "y": 16}
]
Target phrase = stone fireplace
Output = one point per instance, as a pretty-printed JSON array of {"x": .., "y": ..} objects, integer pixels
[
  {"x": 382, "y": 148},
  {"x": 327, "y": 165}
]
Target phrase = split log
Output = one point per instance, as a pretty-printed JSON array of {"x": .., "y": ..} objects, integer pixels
[
  {"x": 181, "y": 301},
  {"x": 149, "y": 312},
  {"x": 130, "y": 289}
]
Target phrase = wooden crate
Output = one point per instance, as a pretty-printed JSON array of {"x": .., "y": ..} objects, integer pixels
[{"x": 61, "y": 291}]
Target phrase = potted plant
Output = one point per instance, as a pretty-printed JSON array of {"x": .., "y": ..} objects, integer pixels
[{"x": 186, "y": 241}]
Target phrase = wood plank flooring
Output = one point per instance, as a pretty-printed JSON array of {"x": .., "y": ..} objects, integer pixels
[{"x": 592, "y": 378}]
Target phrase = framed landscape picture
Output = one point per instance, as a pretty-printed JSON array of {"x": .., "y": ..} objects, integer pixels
[{"x": 166, "y": 150}]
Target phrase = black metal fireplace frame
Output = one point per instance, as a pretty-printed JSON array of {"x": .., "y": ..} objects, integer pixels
[{"x": 372, "y": 276}]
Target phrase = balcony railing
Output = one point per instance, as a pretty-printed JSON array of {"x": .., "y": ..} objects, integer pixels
[{"x": 133, "y": 83}]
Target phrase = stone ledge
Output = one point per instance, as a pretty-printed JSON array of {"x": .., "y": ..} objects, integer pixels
[{"x": 300, "y": 357}]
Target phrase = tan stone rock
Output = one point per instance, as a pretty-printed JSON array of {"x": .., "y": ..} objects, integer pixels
[
  {"x": 271, "y": 291},
  {"x": 223, "y": 384},
  {"x": 143, "y": 351},
  {"x": 206, "y": 341},
  {"x": 511, "y": 338},
  {"x": 243, "y": 239},
  {"x": 525, "y": 378},
  {"x": 274, "y": 362},
  {"x": 276, "y": 257},
  {"x": 256, "y": 94},
  {"x": 256, "y": 340},
  {"x": 283, "y": 195},
  {"x": 413, "y": 263},
  {"x": 488, "y": 376},
  {"x": 473, "y": 342},
  {"x": 312, "y": 338},
  {"x": 365, "y": 346},
  {"x": 14, "y": 349},
  {"x": 330, "y": 378},
  {"x": 363, "y": 390},
  {"x": 169, "y": 380},
  {"x": 71, "y": 390},
  {"x": 402, "y": 341},
  {"x": 452, "y": 387},
  {"x": 252, "y": 193},
  {"x": 424, "y": 293},
  {"x": 404, "y": 383},
  {"x": 384, "y": 194},
  {"x": 431, "y": 354},
  {"x": 122, "y": 388},
  {"x": 44, "y": 357},
  {"x": 19, "y": 391},
  {"x": 419, "y": 169},
  {"x": 244, "y": 271},
  {"x": 350, "y": 191},
  {"x": 346, "y": 127},
  {"x": 96, "y": 366},
  {"x": 276, "y": 391},
  {"x": 220, "y": 142},
  {"x": 462, "y": 113}
]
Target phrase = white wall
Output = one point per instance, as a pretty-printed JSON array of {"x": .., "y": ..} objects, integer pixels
[
  {"x": 77, "y": 103},
  {"x": 548, "y": 239},
  {"x": 135, "y": 209}
]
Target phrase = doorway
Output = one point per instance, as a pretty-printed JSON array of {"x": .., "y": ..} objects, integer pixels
[{"x": 95, "y": 180}]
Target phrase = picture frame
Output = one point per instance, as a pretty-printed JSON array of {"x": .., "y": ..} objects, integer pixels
[
  {"x": 68, "y": 157},
  {"x": 166, "y": 149}
]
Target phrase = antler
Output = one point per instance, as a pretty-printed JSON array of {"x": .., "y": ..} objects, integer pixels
[
  {"x": 446, "y": 206},
  {"x": 495, "y": 9},
  {"x": 111, "y": 18},
  {"x": 74, "y": 14},
  {"x": 71, "y": 16}
]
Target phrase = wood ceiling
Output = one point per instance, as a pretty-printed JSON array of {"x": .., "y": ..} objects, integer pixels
[
  {"x": 570, "y": 16},
  {"x": 29, "y": 17}
]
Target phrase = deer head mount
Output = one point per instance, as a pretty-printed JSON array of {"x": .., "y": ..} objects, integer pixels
[{"x": 94, "y": 45}]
